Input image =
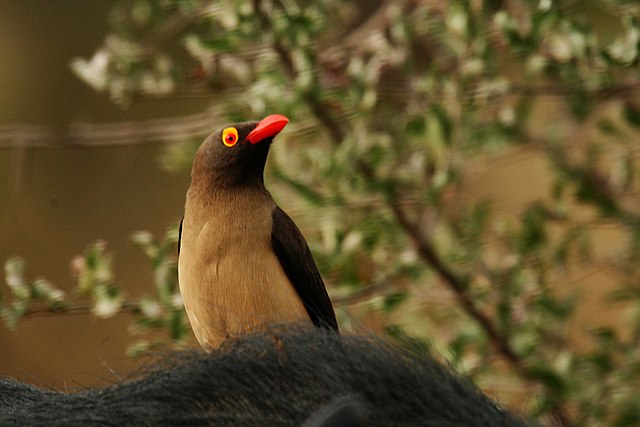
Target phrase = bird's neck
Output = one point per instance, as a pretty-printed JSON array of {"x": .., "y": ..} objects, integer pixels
[
  {"x": 207, "y": 196},
  {"x": 213, "y": 181}
]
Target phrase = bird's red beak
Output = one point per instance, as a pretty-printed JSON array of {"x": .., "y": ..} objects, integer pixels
[{"x": 268, "y": 127}]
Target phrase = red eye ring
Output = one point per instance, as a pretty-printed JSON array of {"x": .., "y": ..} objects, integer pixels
[{"x": 230, "y": 137}]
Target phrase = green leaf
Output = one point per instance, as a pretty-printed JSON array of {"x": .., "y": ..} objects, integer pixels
[
  {"x": 13, "y": 313},
  {"x": 628, "y": 413},
  {"x": 632, "y": 114},
  {"x": 607, "y": 336},
  {"x": 608, "y": 127},
  {"x": 557, "y": 307},
  {"x": 601, "y": 360},
  {"x": 391, "y": 302},
  {"x": 14, "y": 277},
  {"x": 177, "y": 325},
  {"x": 550, "y": 379},
  {"x": 444, "y": 127},
  {"x": 219, "y": 44},
  {"x": 458, "y": 347},
  {"x": 504, "y": 312},
  {"x": 533, "y": 233},
  {"x": 590, "y": 191},
  {"x": 142, "y": 347},
  {"x": 416, "y": 126}
]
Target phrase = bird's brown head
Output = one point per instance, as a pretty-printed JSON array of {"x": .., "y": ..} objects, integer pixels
[{"x": 235, "y": 155}]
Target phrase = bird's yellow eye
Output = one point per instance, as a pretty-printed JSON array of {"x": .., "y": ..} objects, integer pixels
[{"x": 229, "y": 136}]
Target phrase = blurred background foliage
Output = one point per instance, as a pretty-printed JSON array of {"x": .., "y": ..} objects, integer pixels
[{"x": 396, "y": 107}]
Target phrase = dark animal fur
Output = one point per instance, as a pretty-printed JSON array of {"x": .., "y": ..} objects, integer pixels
[{"x": 285, "y": 377}]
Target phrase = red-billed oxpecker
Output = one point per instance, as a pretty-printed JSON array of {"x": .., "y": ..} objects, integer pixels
[{"x": 243, "y": 263}]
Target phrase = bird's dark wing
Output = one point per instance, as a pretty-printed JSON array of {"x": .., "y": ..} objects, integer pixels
[
  {"x": 298, "y": 263},
  {"x": 180, "y": 235}
]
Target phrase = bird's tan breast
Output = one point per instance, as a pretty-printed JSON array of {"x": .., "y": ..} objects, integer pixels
[{"x": 230, "y": 279}]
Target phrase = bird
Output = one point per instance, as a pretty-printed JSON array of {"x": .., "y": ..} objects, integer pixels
[{"x": 242, "y": 262}]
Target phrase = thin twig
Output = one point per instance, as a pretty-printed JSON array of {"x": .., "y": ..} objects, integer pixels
[
  {"x": 455, "y": 283},
  {"x": 80, "y": 308}
]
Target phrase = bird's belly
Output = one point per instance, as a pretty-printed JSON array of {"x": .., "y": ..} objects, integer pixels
[{"x": 238, "y": 287}]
